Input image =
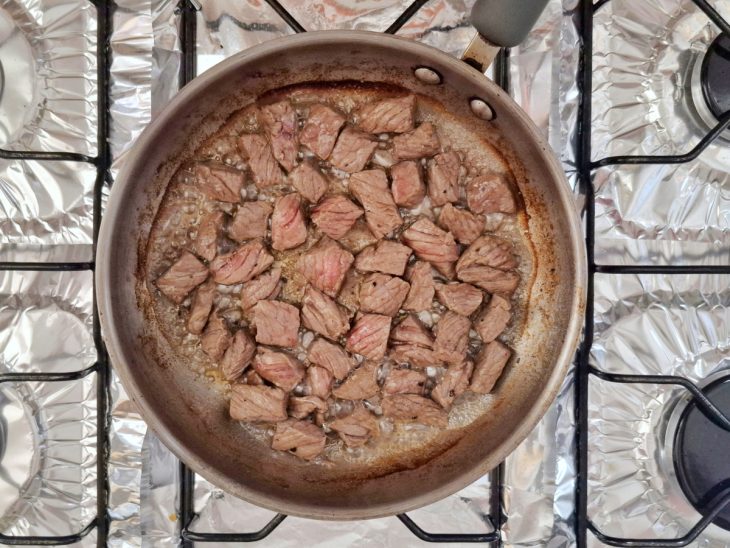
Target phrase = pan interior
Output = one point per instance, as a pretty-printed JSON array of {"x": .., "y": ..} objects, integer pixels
[{"x": 191, "y": 415}]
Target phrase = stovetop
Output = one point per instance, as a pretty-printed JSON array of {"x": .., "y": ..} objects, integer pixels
[{"x": 632, "y": 96}]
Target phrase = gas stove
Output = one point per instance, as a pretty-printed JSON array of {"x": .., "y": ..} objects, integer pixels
[{"x": 634, "y": 97}]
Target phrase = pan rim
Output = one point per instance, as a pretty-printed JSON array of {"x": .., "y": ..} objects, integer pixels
[{"x": 110, "y": 224}]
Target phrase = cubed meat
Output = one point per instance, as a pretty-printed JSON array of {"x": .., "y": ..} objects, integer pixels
[
  {"x": 491, "y": 280},
  {"x": 260, "y": 403},
  {"x": 250, "y": 221},
  {"x": 489, "y": 366},
  {"x": 332, "y": 357},
  {"x": 459, "y": 297},
  {"x": 490, "y": 194},
  {"x": 443, "y": 178},
  {"x": 241, "y": 265},
  {"x": 361, "y": 384},
  {"x": 264, "y": 168},
  {"x": 405, "y": 381},
  {"x": 288, "y": 229},
  {"x": 411, "y": 331},
  {"x": 358, "y": 237},
  {"x": 323, "y": 315},
  {"x": 432, "y": 244},
  {"x": 356, "y": 428},
  {"x": 325, "y": 265},
  {"x": 407, "y": 186},
  {"x": 415, "y": 356},
  {"x": 464, "y": 225},
  {"x": 220, "y": 182},
  {"x": 303, "y": 406},
  {"x": 370, "y": 188},
  {"x": 319, "y": 381},
  {"x": 267, "y": 286},
  {"x": 387, "y": 257},
  {"x": 279, "y": 368},
  {"x": 238, "y": 356},
  {"x": 382, "y": 294},
  {"x": 201, "y": 307},
  {"x": 452, "y": 337},
  {"x": 353, "y": 150},
  {"x": 277, "y": 323},
  {"x": 369, "y": 337},
  {"x": 308, "y": 181},
  {"x": 335, "y": 215},
  {"x": 493, "y": 318},
  {"x": 420, "y": 296},
  {"x": 321, "y": 129},
  {"x": 421, "y": 142},
  {"x": 453, "y": 384},
  {"x": 302, "y": 438},
  {"x": 414, "y": 408},
  {"x": 205, "y": 244},
  {"x": 347, "y": 296},
  {"x": 280, "y": 122},
  {"x": 388, "y": 115},
  {"x": 488, "y": 251},
  {"x": 252, "y": 378},
  {"x": 216, "y": 337},
  {"x": 182, "y": 277}
]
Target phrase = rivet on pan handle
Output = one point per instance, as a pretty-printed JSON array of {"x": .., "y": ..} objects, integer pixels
[{"x": 499, "y": 24}]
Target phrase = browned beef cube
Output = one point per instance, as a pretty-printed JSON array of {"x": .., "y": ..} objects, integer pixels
[
  {"x": 489, "y": 366},
  {"x": 246, "y": 262},
  {"x": 459, "y": 297},
  {"x": 411, "y": 331},
  {"x": 493, "y": 318},
  {"x": 251, "y": 221},
  {"x": 452, "y": 337},
  {"x": 382, "y": 294},
  {"x": 487, "y": 263},
  {"x": 323, "y": 315},
  {"x": 335, "y": 215},
  {"x": 301, "y": 407},
  {"x": 356, "y": 428},
  {"x": 491, "y": 279},
  {"x": 257, "y": 403},
  {"x": 453, "y": 384},
  {"x": 219, "y": 182},
  {"x": 490, "y": 194},
  {"x": 319, "y": 381},
  {"x": 387, "y": 257},
  {"x": 201, "y": 307},
  {"x": 267, "y": 286},
  {"x": 432, "y": 244},
  {"x": 288, "y": 228},
  {"x": 332, "y": 357},
  {"x": 302, "y": 438},
  {"x": 370, "y": 188},
  {"x": 182, "y": 277},
  {"x": 238, "y": 356},
  {"x": 205, "y": 244},
  {"x": 405, "y": 381},
  {"x": 280, "y": 121},
  {"x": 443, "y": 178},
  {"x": 413, "y": 408},
  {"x": 361, "y": 384},
  {"x": 464, "y": 225},
  {"x": 353, "y": 150},
  {"x": 369, "y": 337},
  {"x": 358, "y": 237},
  {"x": 420, "y": 296},
  {"x": 407, "y": 187},
  {"x": 216, "y": 337},
  {"x": 321, "y": 129},
  {"x": 325, "y": 266},
  {"x": 415, "y": 356},
  {"x": 388, "y": 115},
  {"x": 308, "y": 181},
  {"x": 276, "y": 323},
  {"x": 419, "y": 143},
  {"x": 266, "y": 172},
  {"x": 279, "y": 368}
]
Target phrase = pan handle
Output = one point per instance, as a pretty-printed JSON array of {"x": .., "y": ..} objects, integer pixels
[{"x": 499, "y": 24}]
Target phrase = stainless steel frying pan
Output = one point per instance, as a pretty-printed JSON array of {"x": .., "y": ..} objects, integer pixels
[{"x": 191, "y": 417}]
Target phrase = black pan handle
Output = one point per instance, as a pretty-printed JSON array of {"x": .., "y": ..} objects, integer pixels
[{"x": 500, "y": 24}]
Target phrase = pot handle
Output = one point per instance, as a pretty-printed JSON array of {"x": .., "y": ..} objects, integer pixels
[{"x": 499, "y": 24}]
